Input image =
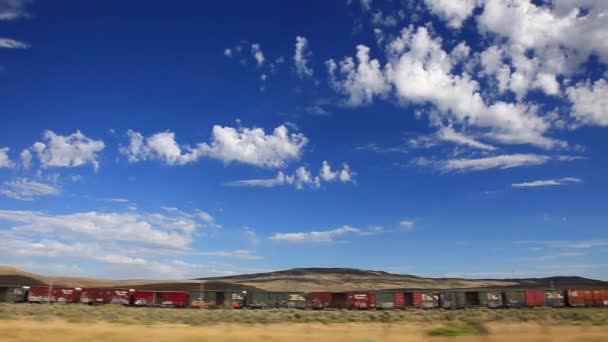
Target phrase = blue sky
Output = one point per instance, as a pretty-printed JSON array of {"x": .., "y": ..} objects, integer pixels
[{"x": 437, "y": 138}]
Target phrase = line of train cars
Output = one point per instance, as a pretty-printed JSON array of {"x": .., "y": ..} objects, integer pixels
[{"x": 448, "y": 299}]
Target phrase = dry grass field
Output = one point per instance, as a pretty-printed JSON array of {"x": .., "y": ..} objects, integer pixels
[
  {"x": 65, "y": 323},
  {"x": 61, "y": 331}
]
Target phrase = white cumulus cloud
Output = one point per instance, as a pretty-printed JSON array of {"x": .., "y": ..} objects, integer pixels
[
  {"x": 5, "y": 160},
  {"x": 71, "y": 150},
  {"x": 454, "y": 12},
  {"x": 246, "y": 145},
  {"x": 590, "y": 102},
  {"x": 360, "y": 81}
]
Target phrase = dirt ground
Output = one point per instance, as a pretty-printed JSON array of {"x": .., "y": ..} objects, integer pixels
[{"x": 61, "y": 331}]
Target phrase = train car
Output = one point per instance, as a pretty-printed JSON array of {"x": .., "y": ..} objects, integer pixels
[
  {"x": 105, "y": 296},
  {"x": 452, "y": 300},
  {"x": 515, "y": 298},
  {"x": 491, "y": 299},
  {"x": 177, "y": 299},
  {"x": 390, "y": 300},
  {"x": 342, "y": 300},
  {"x": 46, "y": 294},
  {"x": 319, "y": 300},
  {"x": 217, "y": 299},
  {"x": 159, "y": 298},
  {"x": 600, "y": 298},
  {"x": 535, "y": 297},
  {"x": 361, "y": 300},
  {"x": 421, "y": 299},
  {"x": 271, "y": 299},
  {"x": 555, "y": 298},
  {"x": 13, "y": 294},
  {"x": 580, "y": 298}
]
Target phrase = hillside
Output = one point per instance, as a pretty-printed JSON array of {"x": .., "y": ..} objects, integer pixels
[
  {"x": 340, "y": 279},
  {"x": 300, "y": 279}
]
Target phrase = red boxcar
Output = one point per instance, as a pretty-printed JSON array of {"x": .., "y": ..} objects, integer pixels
[
  {"x": 143, "y": 298},
  {"x": 64, "y": 295},
  {"x": 160, "y": 298},
  {"x": 580, "y": 298},
  {"x": 600, "y": 297},
  {"x": 425, "y": 300},
  {"x": 361, "y": 300},
  {"x": 535, "y": 297},
  {"x": 173, "y": 298},
  {"x": 319, "y": 300},
  {"x": 105, "y": 296},
  {"x": 399, "y": 300}
]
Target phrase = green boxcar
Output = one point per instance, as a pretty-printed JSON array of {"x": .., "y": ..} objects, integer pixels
[
  {"x": 217, "y": 299},
  {"x": 13, "y": 294},
  {"x": 385, "y": 300},
  {"x": 259, "y": 299},
  {"x": 490, "y": 299},
  {"x": 515, "y": 298},
  {"x": 452, "y": 300}
]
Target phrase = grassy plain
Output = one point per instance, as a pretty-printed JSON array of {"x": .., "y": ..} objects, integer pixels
[{"x": 65, "y": 323}]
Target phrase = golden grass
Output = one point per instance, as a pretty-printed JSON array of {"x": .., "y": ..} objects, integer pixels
[
  {"x": 134, "y": 315},
  {"x": 62, "y": 331}
]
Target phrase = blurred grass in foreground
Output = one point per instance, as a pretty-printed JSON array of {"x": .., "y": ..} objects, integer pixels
[{"x": 131, "y": 315}]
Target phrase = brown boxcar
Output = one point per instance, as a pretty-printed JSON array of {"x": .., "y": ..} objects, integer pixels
[
  {"x": 600, "y": 297},
  {"x": 424, "y": 299},
  {"x": 45, "y": 294},
  {"x": 319, "y": 300},
  {"x": 105, "y": 296},
  {"x": 535, "y": 297},
  {"x": 580, "y": 297},
  {"x": 361, "y": 300}
]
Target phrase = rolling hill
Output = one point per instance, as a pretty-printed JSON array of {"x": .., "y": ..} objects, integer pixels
[{"x": 299, "y": 279}]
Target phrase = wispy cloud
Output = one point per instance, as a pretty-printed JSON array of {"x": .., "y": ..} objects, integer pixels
[
  {"x": 301, "y": 178},
  {"x": 547, "y": 182},
  {"x": 26, "y": 189},
  {"x": 407, "y": 224},
  {"x": 501, "y": 162},
  {"x": 13, "y": 9},
  {"x": 8, "y": 43},
  {"x": 315, "y": 236},
  {"x": 238, "y": 253}
]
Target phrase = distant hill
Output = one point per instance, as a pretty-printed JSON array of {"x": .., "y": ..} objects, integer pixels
[{"x": 302, "y": 279}]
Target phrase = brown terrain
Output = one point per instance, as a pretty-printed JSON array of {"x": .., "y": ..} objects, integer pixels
[
  {"x": 366, "y": 332},
  {"x": 299, "y": 279}
]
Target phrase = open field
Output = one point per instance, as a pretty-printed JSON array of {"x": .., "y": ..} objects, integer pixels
[
  {"x": 65, "y": 323},
  {"x": 62, "y": 331},
  {"x": 197, "y": 317}
]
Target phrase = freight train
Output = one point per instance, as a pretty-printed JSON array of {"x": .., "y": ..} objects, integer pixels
[{"x": 419, "y": 298}]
